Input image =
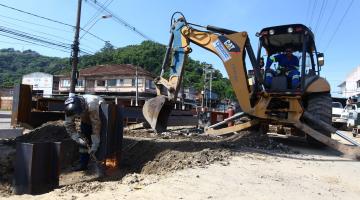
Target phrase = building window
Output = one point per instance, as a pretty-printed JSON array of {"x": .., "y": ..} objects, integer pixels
[
  {"x": 126, "y": 82},
  {"x": 358, "y": 84},
  {"x": 141, "y": 82},
  {"x": 100, "y": 83},
  {"x": 152, "y": 85},
  {"x": 80, "y": 83},
  {"x": 133, "y": 82},
  {"x": 65, "y": 83},
  {"x": 149, "y": 84},
  {"x": 111, "y": 82},
  {"x": 121, "y": 82}
]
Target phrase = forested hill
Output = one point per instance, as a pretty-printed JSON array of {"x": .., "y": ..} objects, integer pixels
[{"x": 149, "y": 55}]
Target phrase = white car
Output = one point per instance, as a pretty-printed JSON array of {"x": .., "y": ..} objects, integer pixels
[{"x": 337, "y": 110}]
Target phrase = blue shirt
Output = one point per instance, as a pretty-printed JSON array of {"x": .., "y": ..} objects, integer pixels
[{"x": 284, "y": 62}]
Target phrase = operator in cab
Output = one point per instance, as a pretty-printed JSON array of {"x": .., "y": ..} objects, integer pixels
[
  {"x": 288, "y": 65},
  {"x": 86, "y": 108}
]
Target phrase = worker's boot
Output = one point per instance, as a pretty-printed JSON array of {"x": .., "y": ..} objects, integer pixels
[{"x": 84, "y": 160}]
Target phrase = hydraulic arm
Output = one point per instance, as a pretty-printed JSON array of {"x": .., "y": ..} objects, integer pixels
[{"x": 230, "y": 46}]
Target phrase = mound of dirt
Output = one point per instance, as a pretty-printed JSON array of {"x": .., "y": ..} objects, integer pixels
[
  {"x": 49, "y": 132},
  {"x": 159, "y": 155},
  {"x": 168, "y": 161}
]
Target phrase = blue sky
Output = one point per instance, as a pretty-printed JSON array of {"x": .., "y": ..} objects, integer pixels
[{"x": 153, "y": 18}]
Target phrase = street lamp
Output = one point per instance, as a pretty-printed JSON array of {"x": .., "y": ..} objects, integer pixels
[{"x": 102, "y": 17}]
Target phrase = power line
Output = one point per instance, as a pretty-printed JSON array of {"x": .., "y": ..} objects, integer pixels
[
  {"x": 24, "y": 21},
  {"x": 323, "y": 6},
  {"x": 97, "y": 13},
  {"x": 19, "y": 39},
  {"x": 338, "y": 26},
  {"x": 312, "y": 12},
  {"x": 119, "y": 20},
  {"x": 34, "y": 39},
  {"x": 6, "y": 42},
  {"x": 308, "y": 10},
  {"x": 48, "y": 19},
  {"x": 35, "y": 15},
  {"x": 331, "y": 14},
  {"x": 47, "y": 34},
  {"x": 41, "y": 25}
]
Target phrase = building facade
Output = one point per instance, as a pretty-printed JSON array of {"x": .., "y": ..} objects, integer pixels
[
  {"x": 110, "y": 80},
  {"x": 41, "y": 82},
  {"x": 351, "y": 86}
]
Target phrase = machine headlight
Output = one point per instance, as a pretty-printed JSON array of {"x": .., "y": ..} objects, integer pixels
[
  {"x": 290, "y": 30},
  {"x": 271, "y": 32}
]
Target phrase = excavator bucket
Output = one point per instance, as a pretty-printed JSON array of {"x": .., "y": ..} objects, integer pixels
[{"x": 156, "y": 112}]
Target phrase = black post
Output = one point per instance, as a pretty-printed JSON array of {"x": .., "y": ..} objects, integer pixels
[
  {"x": 303, "y": 63},
  {"x": 75, "y": 52}
]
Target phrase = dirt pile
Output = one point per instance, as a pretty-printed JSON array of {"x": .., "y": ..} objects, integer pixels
[
  {"x": 160, "y": 155},
  {"x": 48, "y": 132}
]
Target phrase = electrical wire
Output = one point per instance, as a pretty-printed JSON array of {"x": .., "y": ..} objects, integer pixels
[
  {"x": 47, "y": 34},
  {"x": 52, "y": 20},
  {"x": 28, "y": 22},
  {"x": 331, "y": 15},
  {"x": 94, "y": 3},
  {"x": 49, "y": 27},
  {"x": 312, "y": 12},
  {"x": 321, "y": 13},
  {"x": 308, "y": 11},
  {"x": 339, "y": 24},
  {"x": 96, "y": 14},
  {"x": 34, "y": 39},
  {"x": 6, "y": 42},
  {"x": 19, "y": 39}
]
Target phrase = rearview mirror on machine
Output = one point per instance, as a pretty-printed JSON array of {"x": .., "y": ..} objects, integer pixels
[{"x": 320, "y": 57}]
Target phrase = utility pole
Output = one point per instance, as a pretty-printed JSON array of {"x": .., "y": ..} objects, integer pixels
[
  {"x": 75, "y": 52},
  {"x": 205, "y": 88},
  {"x": 137, "y": 87},
  {"x": 211, "y": 77}
]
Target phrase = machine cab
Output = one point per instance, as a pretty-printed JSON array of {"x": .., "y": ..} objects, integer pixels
[{"x": 274, "y": 45}]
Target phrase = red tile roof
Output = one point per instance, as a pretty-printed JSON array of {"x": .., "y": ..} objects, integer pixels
[{"x": 115, "y": 69}]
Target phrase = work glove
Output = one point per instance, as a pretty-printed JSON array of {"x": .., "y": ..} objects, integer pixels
[
  {"x": 76, "y": 137},
  {"x": 95, "y": 139}
]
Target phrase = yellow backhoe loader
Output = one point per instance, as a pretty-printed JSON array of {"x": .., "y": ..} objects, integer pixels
[{"x": 306, "y": 108}]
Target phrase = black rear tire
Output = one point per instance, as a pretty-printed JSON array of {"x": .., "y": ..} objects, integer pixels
[{"x": 320, "y": 106}]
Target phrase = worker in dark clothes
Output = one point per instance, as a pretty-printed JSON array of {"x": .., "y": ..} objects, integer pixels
[{"x": 85, "y": 107}]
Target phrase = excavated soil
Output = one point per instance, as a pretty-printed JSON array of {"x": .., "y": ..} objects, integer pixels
[
  {"x": 160, "y": 154},
  {"x": 48, "y": 132},
  {"x": 146, "y": 156}
]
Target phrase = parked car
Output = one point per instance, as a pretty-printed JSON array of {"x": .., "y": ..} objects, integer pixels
[{"x": 337, "y": 120}]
